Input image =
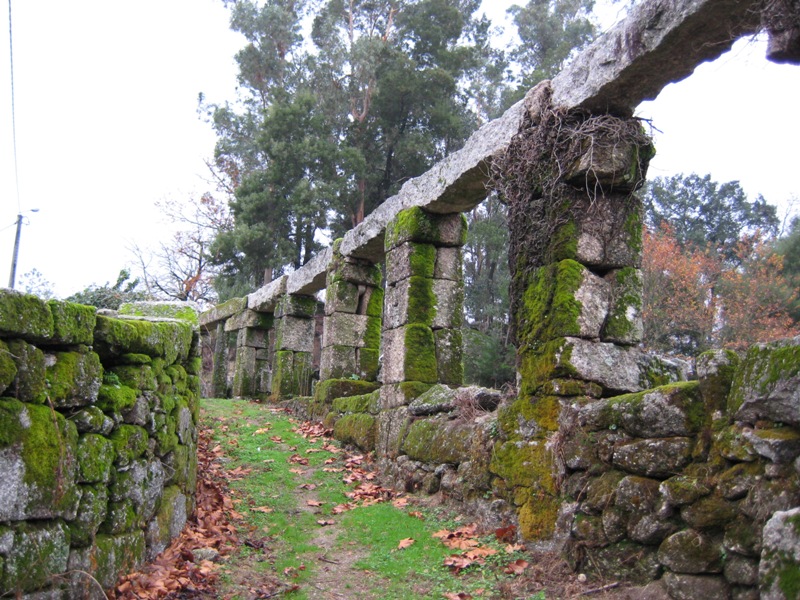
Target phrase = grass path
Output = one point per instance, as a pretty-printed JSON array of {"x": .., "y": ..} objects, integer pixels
[{"x": 314, "y": 523}]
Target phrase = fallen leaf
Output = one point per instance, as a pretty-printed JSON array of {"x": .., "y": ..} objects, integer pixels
[
  {"x": 479, "y": 553},
  {"x": 324, "y": 522},
  {"x": 405, "y": 543},
  {"x": 298, "y": 471},
  {"x": 400, "y": 502},
  {"x": 262, "y": 509},
  {"x": 314, "y": 503},
  {"x": 260, "y": 431},
  {"x": 506, "y": 534},
  {"x": 458, "y": 596},
  {"x": 516, "y": 568},
  {"x": 511, "y": 548},
  {"x": 276, "y": 438},
  {"x": 416, "y": 514},
  {"x": 457, "y": 563}
]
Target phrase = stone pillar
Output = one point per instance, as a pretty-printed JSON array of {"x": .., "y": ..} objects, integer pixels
[
  {"x": 423, "y": 310},
  {"x": 251, "y": 339},
  {"x": 351, "y": 330},
  {"x": 219, "y": 371},
  {"x": 292, "y": 360},
  {"x": 576, "y": 296}
]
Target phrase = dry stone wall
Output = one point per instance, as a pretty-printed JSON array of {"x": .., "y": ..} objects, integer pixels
[{"x": 98, "y": 443}]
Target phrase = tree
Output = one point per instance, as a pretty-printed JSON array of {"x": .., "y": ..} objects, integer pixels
[
  {"x": 33, "y": 282},
  {"x": 700, "y": 211},
  {"x": 326, "y": 133},
  {"x": 109, "y": 296}
]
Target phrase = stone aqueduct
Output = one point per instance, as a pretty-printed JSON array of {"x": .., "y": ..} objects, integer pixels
[{"x": 605, "y": 450}]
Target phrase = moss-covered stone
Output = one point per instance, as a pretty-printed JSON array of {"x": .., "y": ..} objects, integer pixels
[
  {"x": 30, "y": 383},
  {"x": 8, "y": 368},
  {"x": 550, "y": 308},
  {"x": 368, "y": 362},
  {"x": 416, "y": 225},
  {"x": 39, "y": 448},
  {"x": 95, "y": 456},
  {"x": 111, "y": 556},
  {"x": 731, "y": 444},
  {"x": 168, "y": 522},
  {"x": 73, "y": 378},
  {"x": 72, "y": 323},
  {"x": 623, "y": 560},
  {"x": 91, "y": 513},
  {"x": 541, "y": 362},
  {"x": 715, "y": 371},
  {"x": 572, "y": 387},
  {"x": 330, "y": 389},
  {"x": 537, "y": 517},
  {"x": 341, "y": 296},
  {"x": 92, "y": 420},
  {"x": 420, "y": 354},
  {"x": 353, "y": 404},
  {"x": 766, "y": 384},
  {"x": 182, "y": 311},
  {"x": 170, "y": 340},
  {"x": 438, "y": 441},
  {"x": 690, "y": 551},
  {"x": 525, "y": 464},
  {"x": 35, "y": 553},
  {"x": 115, "y": 398},
  {"x": 130, "y": 442},
  {"x": 358, "y": 429},
  {"x": 374, "y": 307},
  {"x": 624, "y": 322},
  {"x": 683, "y": 489},
  {"x": 25, "y": 316},
  {"x": 709, "y": 512}
]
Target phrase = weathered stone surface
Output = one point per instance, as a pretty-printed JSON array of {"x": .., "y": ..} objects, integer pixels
[
  {"x": 342, "y": 297},
  {"x": 72, "y": 323},
  {"x": 252, "y": 337},
  {"x": 338, "y": 362},
  {"x": 623, "y": 560},
  {"x": 312, "y": 277},
  {"x": 449, "y": 304},
  {"x": 637, "y": 494},
  {"x": 392, "y": 428},
  {"x": 715, "y": 370},
  {"x": 409, "y": 354},
  {"x": 449, "y": 356},
  {"x": 439, "y": 398},
  {"x": 659, "y": 457},
  {"x": 294, "y": 333},
  {"x": 420, "y": 226},
  {"x": 767, "y": 384},
  {"x": 244, "y": 372},
  {"x": 396, "y": 395},
  {"x": 247, "y": 319},
  {"x": 142, "y": 484},
  {"x": 24, "y": 316},
  {"x": 740, "y": 570},
  {"x": 778, "y": 445},
  {"x": 779, "y": 571},
  {"x": 73, "y": 378},
  {"x": 709, "y": 512},
  {"x": 222, "y": 311},
  {"x": 91, "y": 513},
  {"x": 410, "y": 259},
  {"x": 658, "y": 43},
  {"x": 344, "y": 329},
  {"x": 266, "y": 298},
  {"x": 167, "y": 523},
  {"x": 683, "y": 489},
  {"x": 92, "y": 420},
  {"x": 449, "y": 264},
  {"x": 690, "y": 551},
  {"x": 95, "y": 457},
  {"x": 409, "y": 301},
  {"x": 671, "y": 410},
  {"x": 30, "y": 382},
  {"x": 34, "y": 554},
  {"x": 38, "y": 460},
  {"x": 650, "y": 528},
  {"x": 696, "y": 587},
  {"x": 159, "y": 338},
  {"x": 358, "y": 429},
  {"x": 109, "y": 557},
  {"x": 624, "y": 322},
  {"x": 742, "y": 538}
]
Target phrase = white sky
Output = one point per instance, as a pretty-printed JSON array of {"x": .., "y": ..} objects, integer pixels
[{"x": 106, "y": 99}]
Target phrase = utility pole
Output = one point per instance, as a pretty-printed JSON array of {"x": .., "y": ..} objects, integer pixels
[{"x": 13, "y": 275}]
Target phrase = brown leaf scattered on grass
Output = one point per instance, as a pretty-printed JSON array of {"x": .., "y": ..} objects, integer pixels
[
  {"x": 457, "y": 563},
  {"x": 325, "y": 522},
  {"x": 262, "y": 509},
  {"x": 516, "y": 568},
  {"x": 340, "y": 508},
  {"x": 400, "y": 502},
  {"x": 405, "y": 543},
  {"x": 458, "y": 596},
  {"x": 298, "y": 460},
  {"x": 314, "y": 503}
]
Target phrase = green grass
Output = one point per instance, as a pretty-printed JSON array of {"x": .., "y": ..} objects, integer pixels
[{"x": 243, "y": 430}]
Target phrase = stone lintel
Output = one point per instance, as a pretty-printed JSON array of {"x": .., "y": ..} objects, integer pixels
[
  {"x": 310, "y": 278},
  {"x": 248, "y": 318},
  {"x": 222, "y": 311},
  {"x": 660, "y": 42},
  {"x": 266, "y": 297}
]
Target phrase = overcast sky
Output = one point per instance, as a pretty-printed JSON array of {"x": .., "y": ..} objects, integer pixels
[{"x": 106, "y": 122}]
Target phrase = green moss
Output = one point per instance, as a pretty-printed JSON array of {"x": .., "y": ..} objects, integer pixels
[
  {"x": 38, "y": 554},
  {"x": 353, "y": 404},
  {"x": 8, "y": 369},
  {"x": 296, "y": 306},
  {"x": 31, "y": 382},
  {"x": 572, "y": 387},
  {"x": 420, "y": 354},
  {"x": 634, "y": 225},
  {"x": 422, "y": 258},
  {"x": 48, "y": 448},
  {"x": 368, "y": 363},
  {"x": 763, "y": 367},
  {"x": 421, "y": 301},
  {"x": 330, "y": 389},
  {"x": 164, "y": 310},
  {"x": 24, "y": 316},
  {"x": 375, "y": 302},
  {"x": 72, "y": 323},
  {"x": 170, "y": 340},
  {"x": 626, "y": 306},
  {"x": 115, "y": 398},
  {"x": 130, "y": 442},
  {"x": 95, "y": 456},
  {"x": 538, "y": 363},
  {"x": 372, "y": 335},
  {"x": 358, "y": 429},
  {"x": 449, "y": 356},
  {"x": 549, "y": 307},
  {"x": 91, "y": 513},
  {"x": 564, "y": 242},
  {"x": 525, "y": 411},
  {"x": 715, "y": 388},
  {"x": 416, "y": 225},
  {"x": 438, "y": 441},
  {"x": 342, "y": 296},
  {"x": 134, "y": 359},
  {"x": 74, "y": 378},
  {"x": 525, "y": 464},
  {"x": 537, "y": 517}
]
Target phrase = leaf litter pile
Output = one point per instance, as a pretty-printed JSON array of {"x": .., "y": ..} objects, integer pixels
[{"x": 284, "y": 511}]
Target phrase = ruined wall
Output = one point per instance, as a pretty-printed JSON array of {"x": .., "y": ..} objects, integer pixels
[{"x": 98, "y": 443}]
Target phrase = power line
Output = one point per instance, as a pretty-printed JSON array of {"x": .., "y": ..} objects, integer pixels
[{"x": 13, "y": 108}]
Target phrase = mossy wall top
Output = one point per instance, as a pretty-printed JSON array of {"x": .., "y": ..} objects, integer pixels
[{"x": 97, "y": 441}]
